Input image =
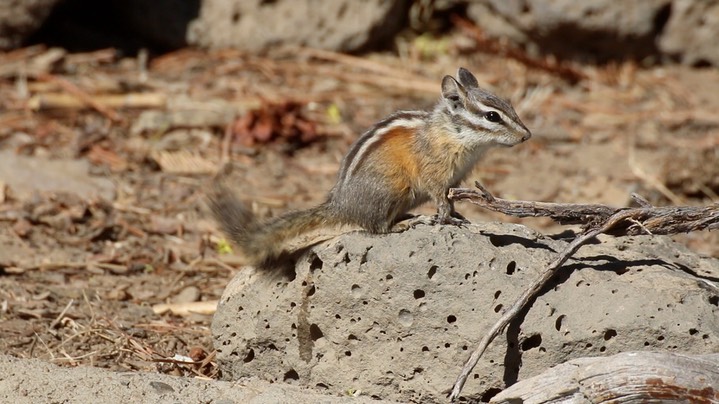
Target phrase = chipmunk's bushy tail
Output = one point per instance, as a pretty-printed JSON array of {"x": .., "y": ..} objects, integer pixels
[{"x": 263, "y": 242}]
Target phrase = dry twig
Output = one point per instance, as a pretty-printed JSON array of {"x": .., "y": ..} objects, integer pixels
[
  {"x": 597, "y": 219},
  {"x": 81, "y": 95},
  {"x": 102, "y": 103}
]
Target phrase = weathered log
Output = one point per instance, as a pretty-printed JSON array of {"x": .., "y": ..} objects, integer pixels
[{"x": 628, "y": 377}]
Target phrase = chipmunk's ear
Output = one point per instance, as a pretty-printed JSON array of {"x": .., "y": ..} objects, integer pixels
[
  {"x": 466, "y": 78},
  {"x": 453, "y": 92}
]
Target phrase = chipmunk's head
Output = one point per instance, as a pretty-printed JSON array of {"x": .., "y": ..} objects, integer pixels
[{"x": 480, "y": 117}]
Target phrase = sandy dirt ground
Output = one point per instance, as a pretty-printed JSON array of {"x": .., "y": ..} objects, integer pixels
[{"x": 103, "y": 164}]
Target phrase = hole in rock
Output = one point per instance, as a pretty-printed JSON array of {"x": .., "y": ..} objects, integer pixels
[
  {"x": 497, "y": 294},
  {"x": 418, "y": 293},
  {"x": 451, "y": 319},
  {"x": 498, "y": 308},
  {"x": 609, "y": 334},
  {"x": 425, "y": 349},
  {"x": 714, "y": 300},
  {"x": 489, "y": 393},
  {"x": 558, "y": 322},
  {"x": 406, "y": 318},
  {"x": 533, "y": 341},
  {"x": 432, "y": 271},
  {"x": 250, "y": 356},
  {"x": 352, "y": 337},
  {"x": 693, "y": 331},
  {"x": 291, "y": 375},
  {"x": 316, "y": 263},
  {"x": 315, "y": 332},
  {"x": 511, "y": 267},
  {"x": 500, "y": 240},
  {"x": 311, "y": 291},
  {"x": 348, "y": 353}
]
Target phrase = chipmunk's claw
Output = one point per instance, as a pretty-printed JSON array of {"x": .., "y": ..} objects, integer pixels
[
  {"x": 437, "y": 220},
  {"x": 421, "y": 219},
  {"x": 453, "y": 220}
]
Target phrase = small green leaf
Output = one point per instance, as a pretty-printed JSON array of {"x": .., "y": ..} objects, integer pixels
[
  {"x": 334, "y": 116},
  {"x": 224, "y": 247}
]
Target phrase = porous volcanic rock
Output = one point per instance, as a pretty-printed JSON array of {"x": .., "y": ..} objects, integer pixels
[{"x": 396, "y": 315}]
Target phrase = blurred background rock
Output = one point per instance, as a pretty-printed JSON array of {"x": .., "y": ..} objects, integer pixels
[{"x": 652, "y": 31}]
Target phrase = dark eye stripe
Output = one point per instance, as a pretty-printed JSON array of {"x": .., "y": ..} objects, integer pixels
[{"x": 476, "y": 110}]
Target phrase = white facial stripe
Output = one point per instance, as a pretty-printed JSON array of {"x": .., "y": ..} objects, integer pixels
[
  {"x": 479, "y": 120},
  {"x": 377, "y": 136}
]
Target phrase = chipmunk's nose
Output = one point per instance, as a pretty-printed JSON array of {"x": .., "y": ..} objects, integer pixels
[{"x": 526, "y": 136}]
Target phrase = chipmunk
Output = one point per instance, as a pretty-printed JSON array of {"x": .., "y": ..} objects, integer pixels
[{"x": 403, "y": 161}]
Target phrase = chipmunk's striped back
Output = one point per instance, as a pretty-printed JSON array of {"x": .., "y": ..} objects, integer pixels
[{"x": 402, "y": 123}]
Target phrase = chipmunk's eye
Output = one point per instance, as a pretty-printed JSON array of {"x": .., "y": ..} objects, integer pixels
[{"x": 492, "y": 116}]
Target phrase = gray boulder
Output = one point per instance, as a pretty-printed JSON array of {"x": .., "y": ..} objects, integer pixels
[
  {"x": 395, "y": 316},
  {"x": 21, "y": 18},
  {"x": 255, "y": 25},
  {"x": 597, "y": 30},
  {"x": 692, "y": 31}
]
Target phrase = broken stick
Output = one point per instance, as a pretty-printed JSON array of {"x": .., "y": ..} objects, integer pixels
[{"x": 596, "y": 219}]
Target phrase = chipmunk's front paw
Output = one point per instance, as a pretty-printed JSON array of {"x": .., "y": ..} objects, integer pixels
[
  {"x": 421, "y": 219},
  {"x": 454, "y": 220}
]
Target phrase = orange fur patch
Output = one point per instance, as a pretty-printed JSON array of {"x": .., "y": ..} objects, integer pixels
[{"x": 396, "y": 159}]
